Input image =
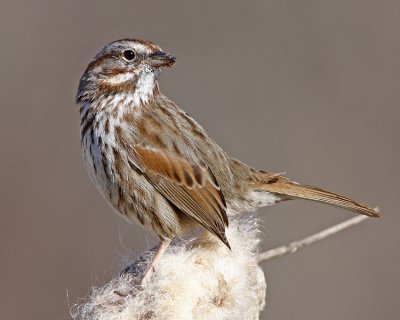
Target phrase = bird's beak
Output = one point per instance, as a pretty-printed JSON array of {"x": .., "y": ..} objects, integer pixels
[{"x": 161, "y": 59}]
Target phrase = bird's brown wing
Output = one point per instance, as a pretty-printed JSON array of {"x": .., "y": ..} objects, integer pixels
[{"x": 191, "y": 187}]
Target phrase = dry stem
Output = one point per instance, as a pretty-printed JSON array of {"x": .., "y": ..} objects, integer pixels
[{"x": 296, "y": 245}]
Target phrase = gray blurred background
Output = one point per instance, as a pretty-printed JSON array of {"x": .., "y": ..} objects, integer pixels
[{"x": 307, "y": 87}]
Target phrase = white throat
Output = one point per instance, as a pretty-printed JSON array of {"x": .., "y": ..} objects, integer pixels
[
  {"x": 129, "y": 91},
  {"x": 144, "y": 88}
]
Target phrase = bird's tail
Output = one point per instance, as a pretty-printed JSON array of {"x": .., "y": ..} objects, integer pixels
[{"x": 288, "y": 190}]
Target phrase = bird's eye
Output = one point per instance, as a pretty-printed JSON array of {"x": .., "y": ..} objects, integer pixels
[{"x": 129, "y": 55}]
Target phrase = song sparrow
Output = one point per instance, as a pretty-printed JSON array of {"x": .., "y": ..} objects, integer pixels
[{"x": 155, "y": 164}]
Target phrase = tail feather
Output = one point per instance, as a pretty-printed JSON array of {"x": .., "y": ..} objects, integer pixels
[{"x": 282, "y": 186}]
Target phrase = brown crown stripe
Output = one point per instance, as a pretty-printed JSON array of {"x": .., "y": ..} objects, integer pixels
[
  {"x": 146, "y": 43},
  {"x": 96, "y": 62}
]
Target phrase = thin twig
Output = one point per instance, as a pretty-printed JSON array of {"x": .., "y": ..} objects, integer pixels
[{"x": 296, "y": 245}]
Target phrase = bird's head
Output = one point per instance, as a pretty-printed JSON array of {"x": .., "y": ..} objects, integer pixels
[{"x": 124, "y": 66}]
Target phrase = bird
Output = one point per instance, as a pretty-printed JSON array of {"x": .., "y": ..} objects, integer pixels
[{"x": 154, "y": 164}]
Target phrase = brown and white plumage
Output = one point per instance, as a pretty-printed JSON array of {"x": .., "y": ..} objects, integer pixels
[{"x": 155, "y": 164}]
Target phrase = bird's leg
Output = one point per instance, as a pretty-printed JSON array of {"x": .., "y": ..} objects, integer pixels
[{"x": 160, "y": 251}]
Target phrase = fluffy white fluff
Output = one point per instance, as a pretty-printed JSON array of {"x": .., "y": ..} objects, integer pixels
[{"x": 196, "y": 279}]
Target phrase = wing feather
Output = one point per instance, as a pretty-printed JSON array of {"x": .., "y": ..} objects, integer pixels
[{"x": 190, "y": 187}]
